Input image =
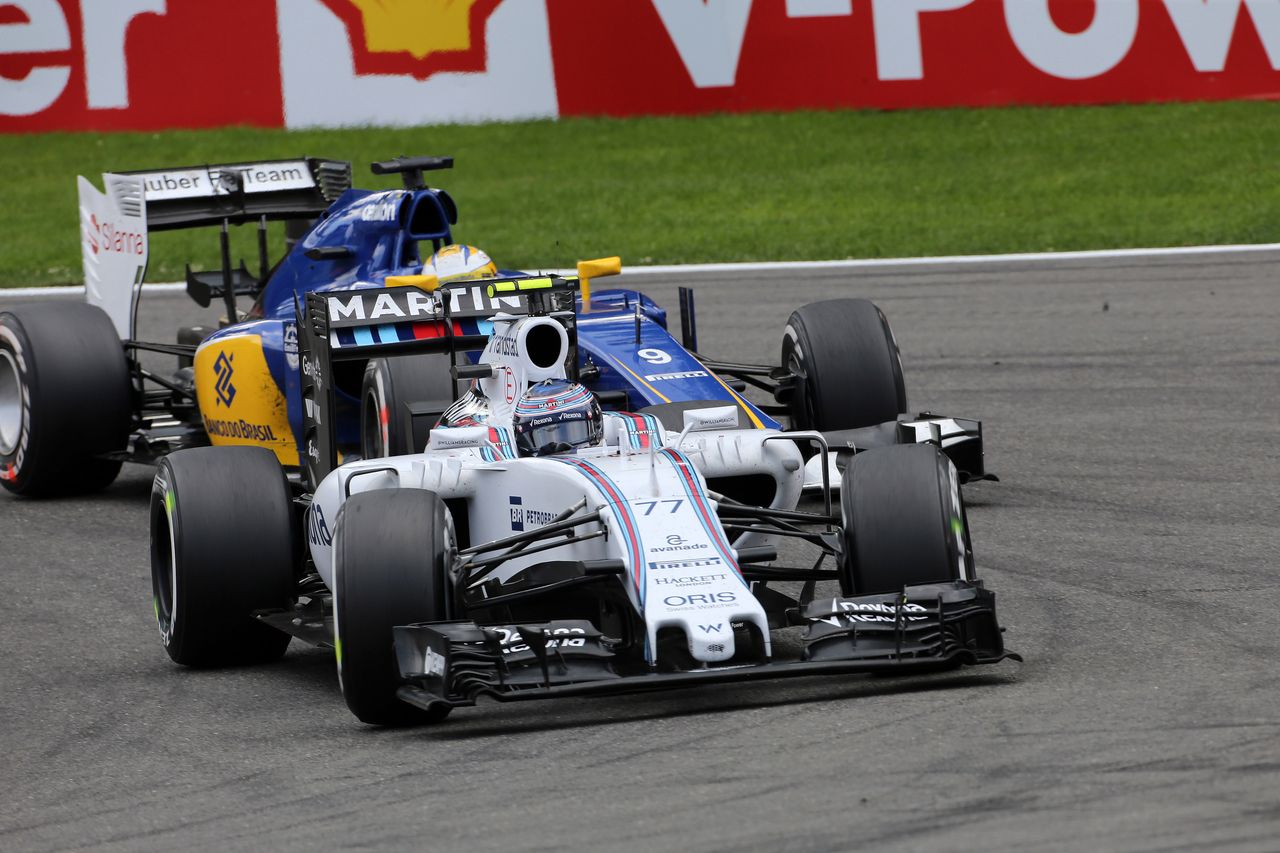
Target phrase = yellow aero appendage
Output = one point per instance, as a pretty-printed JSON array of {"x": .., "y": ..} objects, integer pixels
[
  {"x": 239, "y": 401},
  {"x": 428, "y": 283}
]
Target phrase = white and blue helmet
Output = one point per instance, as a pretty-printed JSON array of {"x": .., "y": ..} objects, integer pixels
[{"x": 555, "y": 416}]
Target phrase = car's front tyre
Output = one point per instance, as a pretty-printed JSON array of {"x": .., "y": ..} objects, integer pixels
[
  {"x": 846, "y": 364},
  {"x": 903, "y": 520},
  {"x": 391, "y": 554}
]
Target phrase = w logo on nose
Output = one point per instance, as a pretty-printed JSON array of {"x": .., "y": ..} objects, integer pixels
[{"x": 225, "y": 391}]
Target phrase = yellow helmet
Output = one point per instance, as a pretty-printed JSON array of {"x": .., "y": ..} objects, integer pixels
[{"x": 458, "y": 262}]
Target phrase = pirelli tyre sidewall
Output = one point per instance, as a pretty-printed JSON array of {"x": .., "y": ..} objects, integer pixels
[
  {"x": 223, "y": 545},
  {"x": 65, "y": 398},
  {"x": 903, "y": 519},
  {"x": 391, "y": 551},
  {"x": 846, "y": 360}
]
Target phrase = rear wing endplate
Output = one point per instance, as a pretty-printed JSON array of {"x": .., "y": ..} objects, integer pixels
[{"x": 114, "y": 225}]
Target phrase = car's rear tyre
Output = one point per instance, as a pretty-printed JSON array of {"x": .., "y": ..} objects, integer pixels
[
  {"x": 904, "y": 521},
  {"x": 65, "y": 398},
  {"x": 222, "y": 546},
  {"x": 847, "y": 364},
  {"x": 391, "y": 551},
  {"x": 399, "y": 399}
]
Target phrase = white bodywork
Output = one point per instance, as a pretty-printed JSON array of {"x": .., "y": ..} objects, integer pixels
[
  {"x": 113, "y": 246},
  {"x": 681, "y": 569}
]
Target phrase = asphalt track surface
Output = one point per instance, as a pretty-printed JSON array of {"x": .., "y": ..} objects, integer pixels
[{"x": 1132, "y": 411}]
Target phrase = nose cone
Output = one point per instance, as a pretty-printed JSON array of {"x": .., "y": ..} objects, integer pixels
[{"x": 711, "y": 642}]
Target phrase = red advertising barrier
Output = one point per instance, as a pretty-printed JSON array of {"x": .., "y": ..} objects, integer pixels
[
  {"x": 149, "y": 64},
  {"x": 679, "y": 57},
  {"x": 138, "y": 64}
]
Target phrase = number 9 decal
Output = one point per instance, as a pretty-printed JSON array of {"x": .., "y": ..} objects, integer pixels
[{"x": 654, "y": 356}]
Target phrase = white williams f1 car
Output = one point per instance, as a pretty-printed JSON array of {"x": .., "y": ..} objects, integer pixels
[{"x": 540, "y": 547}]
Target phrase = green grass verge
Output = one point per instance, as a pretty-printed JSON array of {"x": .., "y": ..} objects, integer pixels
[{"x": 797, "y": 186}]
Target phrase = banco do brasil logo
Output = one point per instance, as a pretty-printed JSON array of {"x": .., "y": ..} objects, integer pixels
[{"x": 225, "y": 391}]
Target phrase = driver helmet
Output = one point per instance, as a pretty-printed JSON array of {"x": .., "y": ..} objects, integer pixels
[
  {"x": 458, "y": 262},
  {"x": 555, "y": 416}
]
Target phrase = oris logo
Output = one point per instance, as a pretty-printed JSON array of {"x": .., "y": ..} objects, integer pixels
[{"x": 699, "y": 600}]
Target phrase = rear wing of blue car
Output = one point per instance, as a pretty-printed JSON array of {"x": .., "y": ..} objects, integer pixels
[
  {"x": 415, "y": 316},
  {"x": 236, "y": 193},
  {"x": 115, "y": 223}
]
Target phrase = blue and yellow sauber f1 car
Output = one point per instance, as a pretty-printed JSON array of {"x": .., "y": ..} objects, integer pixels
[{"x": 80, "y": 393}]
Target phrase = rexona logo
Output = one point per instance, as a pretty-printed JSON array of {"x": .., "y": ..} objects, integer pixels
[{"x": 415, "y": 37}]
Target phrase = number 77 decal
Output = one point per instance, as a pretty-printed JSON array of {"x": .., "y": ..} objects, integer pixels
[{"x": 675, "y": 505}]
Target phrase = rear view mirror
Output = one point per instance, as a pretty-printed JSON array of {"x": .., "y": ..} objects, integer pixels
[
  {"x": 699, "y": 420},
  {"x": 330, "y": 253}
]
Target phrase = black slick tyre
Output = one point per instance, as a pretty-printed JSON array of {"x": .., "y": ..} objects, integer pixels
[
  {"x": 392, "y": 391},
  {"x": 391, "y": 550},
  {"x": 65, "y": 399},
  {"x": 847, "y": 365},
  {"x": 903, "y": 519},
  {"x": 222, "y": 546}
]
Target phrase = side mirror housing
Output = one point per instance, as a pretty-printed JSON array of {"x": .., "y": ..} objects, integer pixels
[
  {"x": 702, "y": 420},
  {"x": 330, "y": 253}
]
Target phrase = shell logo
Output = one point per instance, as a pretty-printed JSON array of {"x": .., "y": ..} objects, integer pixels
[{"x": 415, "y": 37}]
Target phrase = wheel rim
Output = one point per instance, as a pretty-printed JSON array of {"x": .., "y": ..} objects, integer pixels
[
  {"x": 164, "y": 573},
  {"x": 10, "y": 404}
]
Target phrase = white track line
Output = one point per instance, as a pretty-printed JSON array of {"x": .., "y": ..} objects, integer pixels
[{"x": 782, "y": 266}]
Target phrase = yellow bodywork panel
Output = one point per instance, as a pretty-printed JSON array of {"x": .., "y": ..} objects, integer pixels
[
  {"x": 239, "y": 401},
  {"x": 423, "y": 282},
  {"x": 597, "y": 268}
]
